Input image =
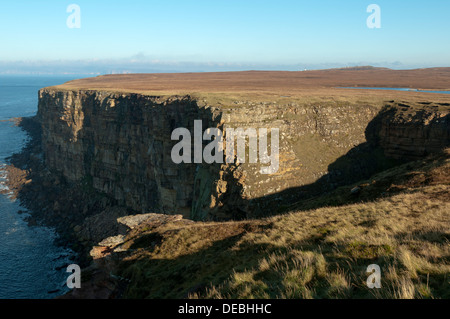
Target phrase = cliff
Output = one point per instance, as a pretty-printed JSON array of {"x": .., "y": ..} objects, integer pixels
[
  {"x": 119, "y": 143},
  {"x": 415, "y": 131}
]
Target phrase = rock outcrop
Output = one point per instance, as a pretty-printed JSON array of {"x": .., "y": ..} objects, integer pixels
[{"x": 414, "y": 131}]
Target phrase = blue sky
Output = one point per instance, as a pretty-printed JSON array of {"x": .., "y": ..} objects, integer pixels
[{"x": 225, "y": 34}]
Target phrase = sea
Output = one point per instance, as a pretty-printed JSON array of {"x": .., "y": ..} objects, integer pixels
[{"x": 31, "y": 265}]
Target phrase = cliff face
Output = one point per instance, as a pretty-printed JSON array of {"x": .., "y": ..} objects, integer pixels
[
  {"x": 412, "y": 132},
  {"x": 120, "y": 144}
]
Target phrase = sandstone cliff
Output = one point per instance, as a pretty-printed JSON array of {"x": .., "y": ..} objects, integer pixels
[
  {"x": 120, "y": 144},
  {"x": 412, "y": 132}
]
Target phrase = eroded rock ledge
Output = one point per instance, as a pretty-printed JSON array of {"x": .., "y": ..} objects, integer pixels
[{"x": 412, "y": 132}]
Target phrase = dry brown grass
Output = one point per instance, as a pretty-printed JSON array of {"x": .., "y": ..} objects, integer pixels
[
  {"x": 320, "y": 252},
  {"x": 267, "y": 85}
]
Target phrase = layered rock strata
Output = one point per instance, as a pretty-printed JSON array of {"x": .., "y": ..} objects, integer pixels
[
  {"x": 412, "y": 132},
  {"x": 120, "y": 144}
]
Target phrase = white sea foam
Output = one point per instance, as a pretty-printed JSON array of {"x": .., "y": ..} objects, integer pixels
[
  {"x": 3, "y": 179},
  {"x": 11, "y": 231}
]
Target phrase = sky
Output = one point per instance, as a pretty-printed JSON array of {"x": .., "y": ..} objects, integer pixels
[{"x": 215, "y": 35}]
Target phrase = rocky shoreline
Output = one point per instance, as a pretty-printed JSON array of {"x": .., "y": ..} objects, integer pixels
[
  {"x": 47, "y": 196},
  {"x": 81, "y": 217},
  {"x": 91, "y": 224}
]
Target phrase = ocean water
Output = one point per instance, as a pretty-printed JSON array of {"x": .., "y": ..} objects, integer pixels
[{"x": 31, "y": 265}]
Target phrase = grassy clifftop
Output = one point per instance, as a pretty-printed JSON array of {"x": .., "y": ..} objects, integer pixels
[
  {"x": 399, "y": 219},
  {"x": 261, "y": 85}
]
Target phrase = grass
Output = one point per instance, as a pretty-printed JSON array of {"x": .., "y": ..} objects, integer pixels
[{"x": 313, "y": 251}]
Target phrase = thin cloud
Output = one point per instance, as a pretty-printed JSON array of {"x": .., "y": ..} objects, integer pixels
[{"x": 140, "y": 63}]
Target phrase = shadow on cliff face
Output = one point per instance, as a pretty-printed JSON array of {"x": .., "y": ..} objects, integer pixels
[
  {"x": 399, "y": 133},
  {"x": 363, "y": 161}
]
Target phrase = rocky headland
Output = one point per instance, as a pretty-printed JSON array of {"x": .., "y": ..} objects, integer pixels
[{"x": 98, "y": 167}]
